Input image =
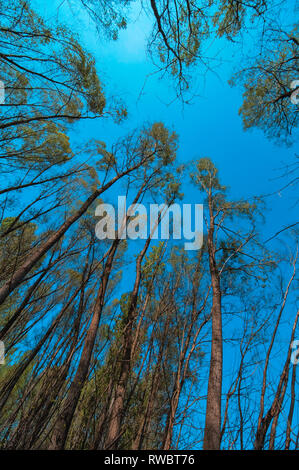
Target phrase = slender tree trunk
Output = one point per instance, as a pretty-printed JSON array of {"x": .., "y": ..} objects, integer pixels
[
  {"x": 171, "y": 418},
  {"x": 118, "y": 406},
  {"x": 291, "y": 411},
  {"x": 38, "y": 252},
  {"x": 145, "y": 420},
  {"x": 212, "y": 433},
  {"x": 276, "y": 405},
  {"x": 62, "y": 426},
  {"x": 10, "y": 384}
]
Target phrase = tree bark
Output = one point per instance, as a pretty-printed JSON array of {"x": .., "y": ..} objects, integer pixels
[
  {"x": 62, "y": 426},
  {"x": 212, "y": 432}
]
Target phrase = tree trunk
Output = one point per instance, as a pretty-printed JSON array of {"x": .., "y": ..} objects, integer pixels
[
  {"x": 118, "y": 405},
  {"x": 64, "y": 421},
  {"x": 212, "y": 433},
  {"x": 38, "y": 252}
]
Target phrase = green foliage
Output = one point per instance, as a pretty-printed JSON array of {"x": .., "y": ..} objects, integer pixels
[
  {"x": 110, "y": 16},
  {"x": 230, "y": 16},
  {"x": 14, "y": 246},
  {"x": 162, "y": 141},
  {"x": 267, "y": 93},
  {"x": 153, "y": 264}
]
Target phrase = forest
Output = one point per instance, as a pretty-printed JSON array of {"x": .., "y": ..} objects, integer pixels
[{"x": 141, "y": 344}]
